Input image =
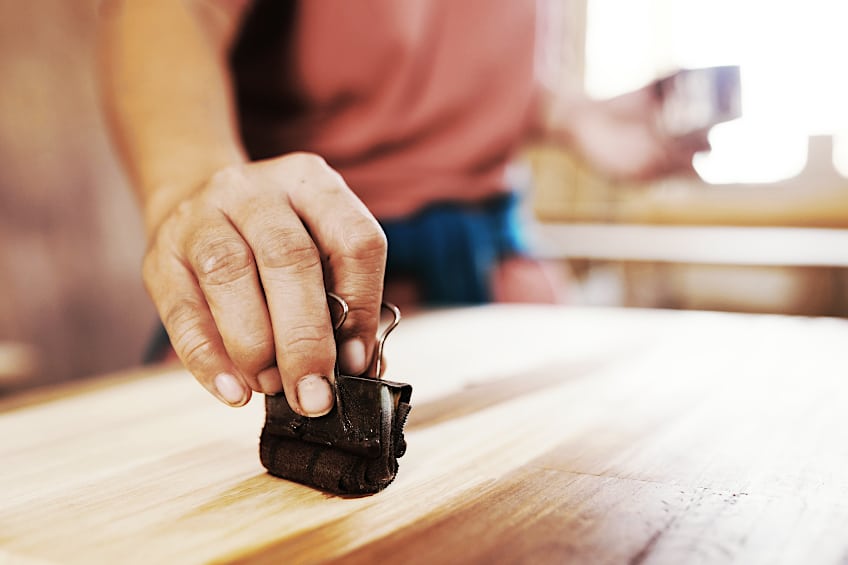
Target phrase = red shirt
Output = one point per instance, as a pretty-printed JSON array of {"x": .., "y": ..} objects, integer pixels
[{"x": 412, "y": 101}]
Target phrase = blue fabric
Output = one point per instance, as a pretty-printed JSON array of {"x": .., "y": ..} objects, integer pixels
[{"x": 451, "y": 249}]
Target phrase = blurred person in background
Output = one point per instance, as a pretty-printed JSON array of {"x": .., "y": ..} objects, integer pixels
[{"x": 285, "y": 149}]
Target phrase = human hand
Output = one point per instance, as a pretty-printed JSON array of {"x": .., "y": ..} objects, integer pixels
[
  {"x": 621, "y": 138},
  {"x": 239, "y": 271}
]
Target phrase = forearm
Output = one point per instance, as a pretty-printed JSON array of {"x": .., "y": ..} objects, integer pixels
[
  {"x": 619, "y": 137},
  {"x": 168, "y": 96},
  {"x": 555, "y": 115}
]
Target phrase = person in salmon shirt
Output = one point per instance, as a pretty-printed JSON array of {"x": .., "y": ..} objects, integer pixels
[{"x": 285, "y": 149}]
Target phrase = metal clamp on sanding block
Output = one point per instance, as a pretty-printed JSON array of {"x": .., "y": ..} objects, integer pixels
[{"x": 354, "y": 448}]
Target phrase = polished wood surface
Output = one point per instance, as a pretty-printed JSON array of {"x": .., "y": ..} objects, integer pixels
[{"x": 538, "y": 435}]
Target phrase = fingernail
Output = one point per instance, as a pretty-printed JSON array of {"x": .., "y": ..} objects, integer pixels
[
  {"x": 230, "y": 389},
  {"x": 314, "y": 395},
  {"x": 352, "y": 357},
  {"x": 270, "y": 381}
]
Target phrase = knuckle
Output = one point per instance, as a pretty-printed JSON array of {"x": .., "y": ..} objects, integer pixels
[
  {"x": 254, "y": 354},
  {"x": 222, "y": 261},
  {"x": 227, "y": 178},
  {"x": 183, "y": 211},
  {"x": 287, "y": 249},
  {"x": 361, "y": 321},
  {"x": 312, "y": 170},
  {"x": 187, "y": 333},
  {"x": 306, "y": 161},
  {"x": 364, "y": 240},
  {"x": 364, "y": 311},
  {"x": 307, "y": 336},
  {"x": 196, "y": 350},
  {"x": 182, "y": 316}
]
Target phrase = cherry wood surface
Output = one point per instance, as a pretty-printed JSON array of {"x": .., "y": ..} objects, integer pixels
[{"x": 538, "y": 435}]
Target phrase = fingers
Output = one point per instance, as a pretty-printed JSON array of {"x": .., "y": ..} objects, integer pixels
[
  {"x": 225, "y": 270},
  {"x": 695, "y": 142},
  {"x": 679, "y": 153},
  {"x": 240, "y": 270},
  {"x": 354, "y": 252},
  {"x": 633, "y": 104},
  {"x": 289, "y": 266},
  {"x": 191, "y": 327}
]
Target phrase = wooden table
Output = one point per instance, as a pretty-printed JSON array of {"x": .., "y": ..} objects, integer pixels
[{"x": 538, "y": 435}]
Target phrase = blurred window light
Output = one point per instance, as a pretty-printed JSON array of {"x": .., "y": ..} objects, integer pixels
[
  {"x": 790, "y": 53},
  {"x": 840, "y": 152}
]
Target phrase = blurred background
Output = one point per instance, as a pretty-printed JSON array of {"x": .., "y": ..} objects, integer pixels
[
  {"x": 71, "y": 297},
  {"x": 761, "y": 230}
]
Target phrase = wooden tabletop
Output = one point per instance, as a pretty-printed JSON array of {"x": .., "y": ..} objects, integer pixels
[{"x": 538, "y": 435}]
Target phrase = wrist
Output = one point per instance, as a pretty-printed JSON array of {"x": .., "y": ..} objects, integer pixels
[{"x": 560, "y": 116}]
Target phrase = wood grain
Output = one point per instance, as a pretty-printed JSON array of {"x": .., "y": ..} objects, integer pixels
[{"x": 538, "y": 435}]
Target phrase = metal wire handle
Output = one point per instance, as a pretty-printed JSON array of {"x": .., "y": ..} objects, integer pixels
[
  {"x": 381, "y": 341},
  {"x": 345, "y": 309},
  {"x": 377, "y": 363}
]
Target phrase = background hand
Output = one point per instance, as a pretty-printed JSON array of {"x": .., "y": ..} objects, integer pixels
[{"x": 621, "y": 137}]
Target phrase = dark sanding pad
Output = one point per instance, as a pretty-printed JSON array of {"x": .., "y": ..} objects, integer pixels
[{"x": 352, "y": 450}]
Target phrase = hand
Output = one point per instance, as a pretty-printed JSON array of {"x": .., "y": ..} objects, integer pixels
[
  {"x": 239, "y": 272},
  {"x": 620, "y": 137}
]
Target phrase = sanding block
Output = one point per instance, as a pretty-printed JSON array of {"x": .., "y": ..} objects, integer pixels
[{"x": 352, "y": 450}]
